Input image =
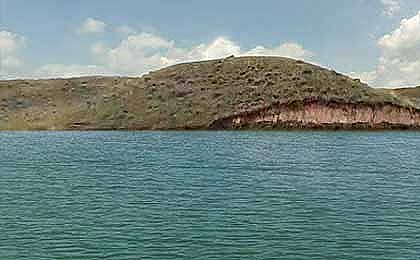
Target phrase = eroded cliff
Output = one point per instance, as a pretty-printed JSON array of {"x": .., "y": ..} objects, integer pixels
[{"x": 317, "y": 114}]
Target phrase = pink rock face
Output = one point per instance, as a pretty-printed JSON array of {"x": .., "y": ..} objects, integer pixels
[{"x": 316, "y": 114}]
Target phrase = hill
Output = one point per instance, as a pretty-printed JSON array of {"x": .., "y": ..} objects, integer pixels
[
  {"x": 410, "y": 95},
  {"x": 244, "y": 92}
]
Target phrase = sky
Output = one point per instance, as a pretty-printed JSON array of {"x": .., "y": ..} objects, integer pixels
[{"x": 375, "y": 40}]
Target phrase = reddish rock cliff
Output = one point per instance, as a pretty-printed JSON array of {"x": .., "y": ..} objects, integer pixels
[{"x": 315, "y": 114}]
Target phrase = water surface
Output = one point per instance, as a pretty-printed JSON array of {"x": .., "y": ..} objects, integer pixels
[{"x": 210, "y": 195}]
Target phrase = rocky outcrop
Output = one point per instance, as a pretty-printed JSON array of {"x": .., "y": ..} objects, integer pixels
[{"x": 317, "y": 114}]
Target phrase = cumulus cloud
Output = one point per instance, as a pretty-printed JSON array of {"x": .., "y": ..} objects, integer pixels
[
  {"x": 92, "y": 26},
  {"x": 399, "y": 64},
  {"x": 10, "y": 43},
  {"x": 98, "y": 48},
  {"x": 391, "y": 7},
  {"x": 290, "y": 50},
  {"x": 135, "y": 55},
  {"x": 68, "y": 71},
  {"x": 143, "y": 52},
  {"x": 124, "y": 29},
  {"x": 10, "y": 62},
  {"x": 219, "y": 48}
]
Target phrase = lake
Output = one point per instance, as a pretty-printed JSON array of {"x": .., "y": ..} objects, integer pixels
[{"x": 210, "y": 195}]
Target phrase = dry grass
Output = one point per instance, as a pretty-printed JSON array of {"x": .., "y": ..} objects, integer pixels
[{"x": 182, "y": 96}]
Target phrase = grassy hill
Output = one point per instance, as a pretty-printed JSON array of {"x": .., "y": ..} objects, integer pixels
[
  {"x": 184, "y": 96},
  {"x": 410, "y": 95}
]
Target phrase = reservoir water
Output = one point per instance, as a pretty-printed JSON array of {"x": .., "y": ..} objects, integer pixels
[{"x": 210, "y": 195}]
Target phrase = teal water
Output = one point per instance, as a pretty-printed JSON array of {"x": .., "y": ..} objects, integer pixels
[{"x": 210, "y": 195}]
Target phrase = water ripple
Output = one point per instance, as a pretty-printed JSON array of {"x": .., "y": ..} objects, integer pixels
[{"x": 210, "y": 195}]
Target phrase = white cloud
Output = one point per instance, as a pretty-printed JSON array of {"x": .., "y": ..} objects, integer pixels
[
  {"x": 143, "y": 52},
  {"x": 98, "y": 49},
  {"x": 10, "y": 62},
  {"x": 290, "y": 50},
  {"x": 138, "y": 54},
  {"x": 143, "y": 41},
  {"x": 399, "y": 64},
  {"x": 219, "y": 48},
  {"x": 134, "y": 55},
  {"x": 367, "y": 77},
  {"x": 124, "y": 29},
  {"x": 91, "y": 25},
  {"x": 10, "y": 43},
  {"x": 67, "y": 71},
  {"x": 391, "y": 7}
]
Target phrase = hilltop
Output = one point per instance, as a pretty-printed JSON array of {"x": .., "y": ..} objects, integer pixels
[{"x": 202, "y": 95}]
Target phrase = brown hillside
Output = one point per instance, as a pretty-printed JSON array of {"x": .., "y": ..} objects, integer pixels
[{"x": 184, "y": 96}]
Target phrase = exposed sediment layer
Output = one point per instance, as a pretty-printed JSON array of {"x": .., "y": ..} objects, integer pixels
[{"x": 316, "y": 114}]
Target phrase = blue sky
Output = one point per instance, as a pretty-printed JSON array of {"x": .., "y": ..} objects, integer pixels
[{"x": 127, "y": 37}]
